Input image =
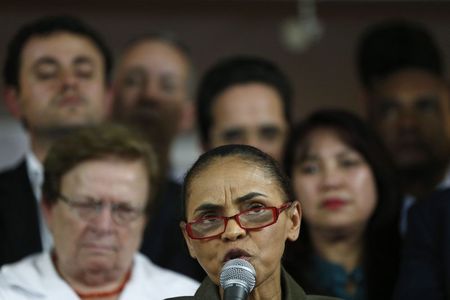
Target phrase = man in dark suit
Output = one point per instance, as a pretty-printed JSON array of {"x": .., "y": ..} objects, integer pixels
[
  {"x": 56, "y": 79},
  {"x": 407, "y": 99},
  {"x": 154, "y": 85},
  {"x": 425, "y": 269}
]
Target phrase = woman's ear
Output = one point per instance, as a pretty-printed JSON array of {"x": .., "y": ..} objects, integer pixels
[
  {"x": 187, "y": 239},
  {"x": 295, "y": 218}
]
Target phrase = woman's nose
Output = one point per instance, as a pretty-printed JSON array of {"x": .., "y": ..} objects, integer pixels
[
  {"x": 233, "y": 231},
  {"x": 331, "y": 178}
]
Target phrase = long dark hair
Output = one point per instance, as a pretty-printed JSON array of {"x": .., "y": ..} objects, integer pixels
[{"x": 381, "y": 237}]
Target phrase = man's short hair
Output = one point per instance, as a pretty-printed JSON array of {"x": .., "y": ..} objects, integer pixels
[
  {"x": 237, "y": 70},
  {"x": 395, "y": 45},
  {"x": 107, "y": 141},
  {"x": 43, "y": 27}
]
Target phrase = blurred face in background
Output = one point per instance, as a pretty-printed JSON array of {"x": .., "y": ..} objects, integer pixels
[
  {"x": 411, "y": 112},
  {"x": 152, "y": 86},
  {"x": 334, "y": 183},
  {"x": 250, "y": 114},
  {"x": 61, "y": 83}
]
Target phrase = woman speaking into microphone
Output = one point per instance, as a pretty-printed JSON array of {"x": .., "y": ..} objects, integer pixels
[{"x": 239, "y": 211}]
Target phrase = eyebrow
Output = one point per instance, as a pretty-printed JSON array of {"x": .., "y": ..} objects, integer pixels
[
  {"x": 168, "y": 75},
  {"x": 307, "y": 157},
  {"x": 45, "y": 60},
  {"x": 234, "y": 129},
  {"x": 248, "y": 197},
  {"x": 227, "y": 132},
  {"x": 133, "y": 71},
  {"x": 266, "y": 127},
  {"x": 343, "y": 153},
  {"x": 207, "y": 207},
  {"x": 83, "y": 60},
  {"x": 239, "y": 200}
]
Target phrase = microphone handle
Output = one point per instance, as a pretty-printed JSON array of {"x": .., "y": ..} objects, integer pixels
[{"x": 235, "y": 292}]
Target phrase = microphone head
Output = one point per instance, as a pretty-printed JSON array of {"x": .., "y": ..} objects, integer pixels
[{"x": 238, "y": 272}]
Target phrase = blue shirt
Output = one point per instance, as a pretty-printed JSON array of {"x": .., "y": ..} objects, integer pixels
[{"x": 332, "y": 279}]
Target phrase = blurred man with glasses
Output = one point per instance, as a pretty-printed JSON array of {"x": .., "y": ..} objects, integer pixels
[
  {"x": 98, "y": 191},
  {"x": 154, "y": 83}
]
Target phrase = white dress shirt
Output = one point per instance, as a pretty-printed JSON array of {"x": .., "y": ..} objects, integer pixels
[
  {"x": 36, "y": 175},
  {"x": 409, "y": 200}
]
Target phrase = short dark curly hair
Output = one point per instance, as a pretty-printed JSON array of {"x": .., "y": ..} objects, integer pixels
[
  {"x": 381, "y": 236},
  {"x": 46, "y": 26},
  {"x": 394, "y": 45},
  {"x": 240, "y": 69}
]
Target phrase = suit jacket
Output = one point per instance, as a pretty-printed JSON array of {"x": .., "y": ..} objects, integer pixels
[
  {"x": 291, "y": 291},
  {"x": 163, "y": 241},
  {"x": 425, "y": 269},
  {"x": 19, "y": 220}
]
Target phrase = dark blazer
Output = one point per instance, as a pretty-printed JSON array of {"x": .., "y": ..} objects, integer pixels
[
  {"x": 291, "y": 291},
  {"x": 19, "y": 221},
  {"x": 425, "y": 268},
  {"x": 163, "y": 241}
]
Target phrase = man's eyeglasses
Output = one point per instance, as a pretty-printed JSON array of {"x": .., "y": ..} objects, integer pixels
[
  {"x": 252, "y": 219},
  {"x": 89, "y": 209}
]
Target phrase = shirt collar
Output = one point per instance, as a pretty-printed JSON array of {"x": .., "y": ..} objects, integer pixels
[
  {"x": 445, "y": 183},
  {"x": 35, "y": 172}
]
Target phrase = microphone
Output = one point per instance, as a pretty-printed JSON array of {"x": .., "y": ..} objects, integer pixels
[{"x": 237, "y": 278}]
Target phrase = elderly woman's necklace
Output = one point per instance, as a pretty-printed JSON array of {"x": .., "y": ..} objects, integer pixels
[{"x": 97, "y": 295}]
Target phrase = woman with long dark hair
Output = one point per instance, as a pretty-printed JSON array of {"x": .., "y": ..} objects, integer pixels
[{"x": 342, "y": 176}]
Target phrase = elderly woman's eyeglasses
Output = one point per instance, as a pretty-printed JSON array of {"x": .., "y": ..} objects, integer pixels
[
  {"x": 252, "y": 219},
  {"x": 89, "y": 209}
]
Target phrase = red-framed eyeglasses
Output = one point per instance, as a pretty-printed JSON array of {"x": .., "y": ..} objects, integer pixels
[{"x": 252, "y": 219}]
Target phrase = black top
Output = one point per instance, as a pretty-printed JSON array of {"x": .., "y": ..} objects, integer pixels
[
  {"x": 163, "y": 240},
  {"x": 425, "y": 268},
  {"x": 291, "y": 291},
  {"x": 19, "y": 219}
]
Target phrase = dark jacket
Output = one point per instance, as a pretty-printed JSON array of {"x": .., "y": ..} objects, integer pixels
[
  {"x": 291, "y": 291},
  {"x": 19, "y": 220},
  {"x": 163, "y": 241},
  {"x": 425, "y": 268}
]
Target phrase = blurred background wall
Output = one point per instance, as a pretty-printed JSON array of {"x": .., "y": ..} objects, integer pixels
[{"x": 323, "y": 74}]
